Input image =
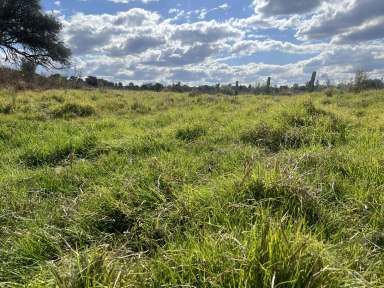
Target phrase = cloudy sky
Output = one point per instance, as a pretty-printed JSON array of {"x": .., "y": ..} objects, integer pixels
[{"x": 214, "y": 41}]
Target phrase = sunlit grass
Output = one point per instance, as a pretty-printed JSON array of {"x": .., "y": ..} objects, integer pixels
[{"x": 140, "y": 189}]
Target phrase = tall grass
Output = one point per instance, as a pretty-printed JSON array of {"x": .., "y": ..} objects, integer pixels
[{"x": 138, "y": 189}]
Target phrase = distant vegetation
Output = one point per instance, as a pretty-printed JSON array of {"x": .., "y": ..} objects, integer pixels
[{"x": 26, "y": 78}]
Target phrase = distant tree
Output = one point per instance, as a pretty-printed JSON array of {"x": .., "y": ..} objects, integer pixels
[
  {"x": 26, "y": 32},
  {"x": 268, "y": 83},
  {"x": 374, "y": 84},
  {"x": 91, "y": 81},
  {"x": 131, "y": 86},
  {"x": 28, "y": 68},
  {"x": 361, "y": 78},
  {"x": 158, "y": 87},
  {"x": 311, "y": 84}
]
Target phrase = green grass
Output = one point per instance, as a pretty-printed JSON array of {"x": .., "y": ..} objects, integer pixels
[{"x": 139, "y": 189}]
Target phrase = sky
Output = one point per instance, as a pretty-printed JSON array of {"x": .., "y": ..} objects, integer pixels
[{"x": 223, "y": 41}]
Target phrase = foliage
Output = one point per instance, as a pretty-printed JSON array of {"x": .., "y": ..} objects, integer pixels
[
  {"x": 27, "y": 33},
  {"x": 28, "y": 68}
]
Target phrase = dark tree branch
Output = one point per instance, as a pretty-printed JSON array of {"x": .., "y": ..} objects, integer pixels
[{"x": 26, "y": 33}]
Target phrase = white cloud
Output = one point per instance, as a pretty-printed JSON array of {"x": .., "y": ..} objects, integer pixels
[
  {"x": 345, "y": 19},
  {"x": 140, "y": 45},
  {"x": 284, "y": 7}
]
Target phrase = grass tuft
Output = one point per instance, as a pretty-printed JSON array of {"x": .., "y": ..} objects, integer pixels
[
  {"x": 190, "y": 134},
  {"x": 71, "y": 110},
  {"x": 59, "y": 153}
]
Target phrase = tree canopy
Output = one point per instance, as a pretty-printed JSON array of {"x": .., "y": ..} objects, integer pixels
[{"x": 27, "y": 33}]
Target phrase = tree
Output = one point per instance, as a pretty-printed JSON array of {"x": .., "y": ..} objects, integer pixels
[
  {"x": 361, "y": 78},
  {"x": 27, "y": 33},
  {"x": 311, "y": 84},
  {"x": 28, "y": 68},
  {"x": 268, "y": 87},
  {"x": 92, "y": 81}
]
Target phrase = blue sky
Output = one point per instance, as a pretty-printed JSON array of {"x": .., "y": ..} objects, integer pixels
[
  {"x": 102, "y": 6},
  {"x": 222, "y": 41}
]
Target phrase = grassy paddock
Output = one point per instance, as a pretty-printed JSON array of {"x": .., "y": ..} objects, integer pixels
[{"x": 138, "y": 189}]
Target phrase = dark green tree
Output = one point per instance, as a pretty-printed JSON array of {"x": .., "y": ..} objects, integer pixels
[
  {"x": 311, "y": 84},
  {"x": 28, "y": 68},
  {"x": 28, "y": 34},
  {"x": 268, "y": 88}
]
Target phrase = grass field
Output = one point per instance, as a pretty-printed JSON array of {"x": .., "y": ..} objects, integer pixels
[{"x": 137, "y": 189}]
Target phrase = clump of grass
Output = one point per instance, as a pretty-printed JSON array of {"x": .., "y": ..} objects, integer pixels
[
  {"x": 6, "y": 109},
  {"x": 72, "y": 110},
  {"x": 291, "y": 197},
  {"x": 58, "y": 98},
  {"x": 295, "y": 130},
  {"x": 271, "y": 138},
  {"x": 360, "y": 113},
  {"x": 377, "y": 240},
  {"x": 130, "y": 216},
  {"x": 265, "y": 257},
  {"x": 326, "y": 102},
  {"x": 10, "y": 107},
  {"x": 4, "y": 134},
  {"x": 148, "y": 144},
  {"x": 329, "y": 92},
  {"x": 194, "y": 93},
  {"x": 111, "y": 219},
  {"x": 190, "y": 134},
  {"x": 139, "y": 107},
  {"x": 91, "y": 268},
  {"x": 46, "y": 154}
]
